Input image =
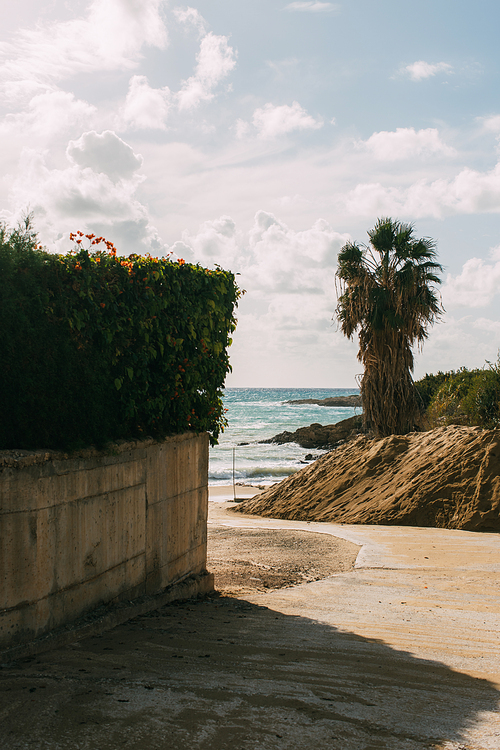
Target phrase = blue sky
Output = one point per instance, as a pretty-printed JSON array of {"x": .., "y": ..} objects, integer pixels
[{"x": 261, "y": 135}]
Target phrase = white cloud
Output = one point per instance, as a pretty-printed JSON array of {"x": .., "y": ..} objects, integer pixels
[
  {"x": 96, "y": 193},
  {"x": 109, "y": 37},
  {"x": 216, "y": 241},
  {"x": 405, "y": 143},
  {"x": 420, "y": 70},
  {"x": 288, "y": 261},
  {"x": 272, "y": 121},
  {"x": 312, "y": 6},
  {"x": 491, "y": 124},
  {"x": 476, "y": 285},
  {"x": 271, "y": 256},
  {"x": 288, "y": 276},
  {"x": 74, "y": 195},
  {"x": 49, "y": 114},
  {"x": 485, "y": 324},
  {"x": 104, "y": 153},
  {"x": 215, "y": 59},
  {"x": 469, "y": 192},
  {"x": 145, "y": 107},
  {"x": 190, "y": 17},
  {"x": 455, "y": 342},
  {"x": 373, "y": 199},
  {"x": 242, "y": 128},
  {"x": 347, "y": 187}
]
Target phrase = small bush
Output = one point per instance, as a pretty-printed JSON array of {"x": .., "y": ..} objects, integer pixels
[
  {"x": 468, "y": 397},
  {"x": 482, "y": 402},
  {"x": 97, "y": 347},
  {"x": 428, "y": 386}
]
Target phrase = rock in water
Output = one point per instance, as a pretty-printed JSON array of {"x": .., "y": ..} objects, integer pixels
[
  {"x": 321, "y": 436},
  {"x": 448, "y": 478},
  {"x": 348, "y": 401}
]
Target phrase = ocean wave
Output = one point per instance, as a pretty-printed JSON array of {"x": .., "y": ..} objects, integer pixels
[
  {"x": 268, "y": 471},
  {"x": 222, "y": 475},
  {"x": 254, "y": 473}
]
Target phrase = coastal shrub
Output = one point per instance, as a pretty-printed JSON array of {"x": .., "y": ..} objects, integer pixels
[
  {"x": 97, "y": 347},
  {"x": 468, "y": 397},
  {"x": 428, "y": 386}
]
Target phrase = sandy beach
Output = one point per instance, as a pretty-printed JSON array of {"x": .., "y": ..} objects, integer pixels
[{"x": 227, "y": 493}]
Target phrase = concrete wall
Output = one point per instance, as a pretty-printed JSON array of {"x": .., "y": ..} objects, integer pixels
[{"x": 77, "y": 532}]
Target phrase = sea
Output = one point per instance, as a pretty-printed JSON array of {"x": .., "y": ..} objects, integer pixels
[{"x": 256, "y": 414}]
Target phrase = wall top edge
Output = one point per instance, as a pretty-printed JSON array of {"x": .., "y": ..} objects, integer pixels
[{"x": 19, "y": 458}]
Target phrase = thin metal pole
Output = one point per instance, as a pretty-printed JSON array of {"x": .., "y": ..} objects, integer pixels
[{"x": 234, "y": 484}]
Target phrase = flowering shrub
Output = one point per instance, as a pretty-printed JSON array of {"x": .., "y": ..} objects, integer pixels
[{"x": 97, "y": 347}]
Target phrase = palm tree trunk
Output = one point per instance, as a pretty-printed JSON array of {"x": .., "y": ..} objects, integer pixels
[{"x": 390, "y": 401}]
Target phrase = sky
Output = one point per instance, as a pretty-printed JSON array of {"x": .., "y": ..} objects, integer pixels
[{"x": 261, "y": 135}]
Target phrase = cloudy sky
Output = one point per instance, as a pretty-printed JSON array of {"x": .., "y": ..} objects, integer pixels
[{"x": 260, "y": 135}]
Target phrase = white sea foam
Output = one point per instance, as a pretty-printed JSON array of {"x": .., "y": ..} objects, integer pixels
[{"x": 256, "y": 414}]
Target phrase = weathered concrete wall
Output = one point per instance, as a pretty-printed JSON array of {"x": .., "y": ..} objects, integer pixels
[{"x": 77, "y": 532}]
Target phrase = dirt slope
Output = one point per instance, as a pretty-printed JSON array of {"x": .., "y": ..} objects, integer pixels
[{"x": 448, "y": 477}]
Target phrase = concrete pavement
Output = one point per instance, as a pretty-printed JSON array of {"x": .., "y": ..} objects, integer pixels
[
  {"x": 403, "y": 653},
  {"x": 432, "y": 594},
  {"x": 435, "y": 588}
]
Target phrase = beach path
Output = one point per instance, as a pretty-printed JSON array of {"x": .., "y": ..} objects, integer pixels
[
  {"x": 399, "y": 650},
  {"x": 433, "y": 592}
]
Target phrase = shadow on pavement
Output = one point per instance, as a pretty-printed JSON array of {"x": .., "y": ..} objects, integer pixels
[{"x": 222, "y": 673}]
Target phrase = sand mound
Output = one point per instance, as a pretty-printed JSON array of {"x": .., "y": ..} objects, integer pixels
[{"x": 448, "y": 477}]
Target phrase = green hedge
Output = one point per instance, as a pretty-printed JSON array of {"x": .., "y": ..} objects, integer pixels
[{"x": 97, "y": 347}]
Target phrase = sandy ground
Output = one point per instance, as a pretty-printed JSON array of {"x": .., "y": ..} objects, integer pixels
[
  {"x": 253, "y": 560},
  {"x": 399, "y": 653}
]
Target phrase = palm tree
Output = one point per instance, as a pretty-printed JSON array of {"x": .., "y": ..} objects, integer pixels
[{"x": 387, "y": 295}]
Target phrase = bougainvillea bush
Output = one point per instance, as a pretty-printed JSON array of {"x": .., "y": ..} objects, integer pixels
[{"x": 97, "y": 347}]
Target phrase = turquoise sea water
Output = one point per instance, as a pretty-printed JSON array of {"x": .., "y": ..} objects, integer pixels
[{"x": 256, "y": 414}]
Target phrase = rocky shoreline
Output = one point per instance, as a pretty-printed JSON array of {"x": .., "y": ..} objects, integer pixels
[
  {"x": 321, "y": 436},
  {"x": 348, "y": 401}
]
